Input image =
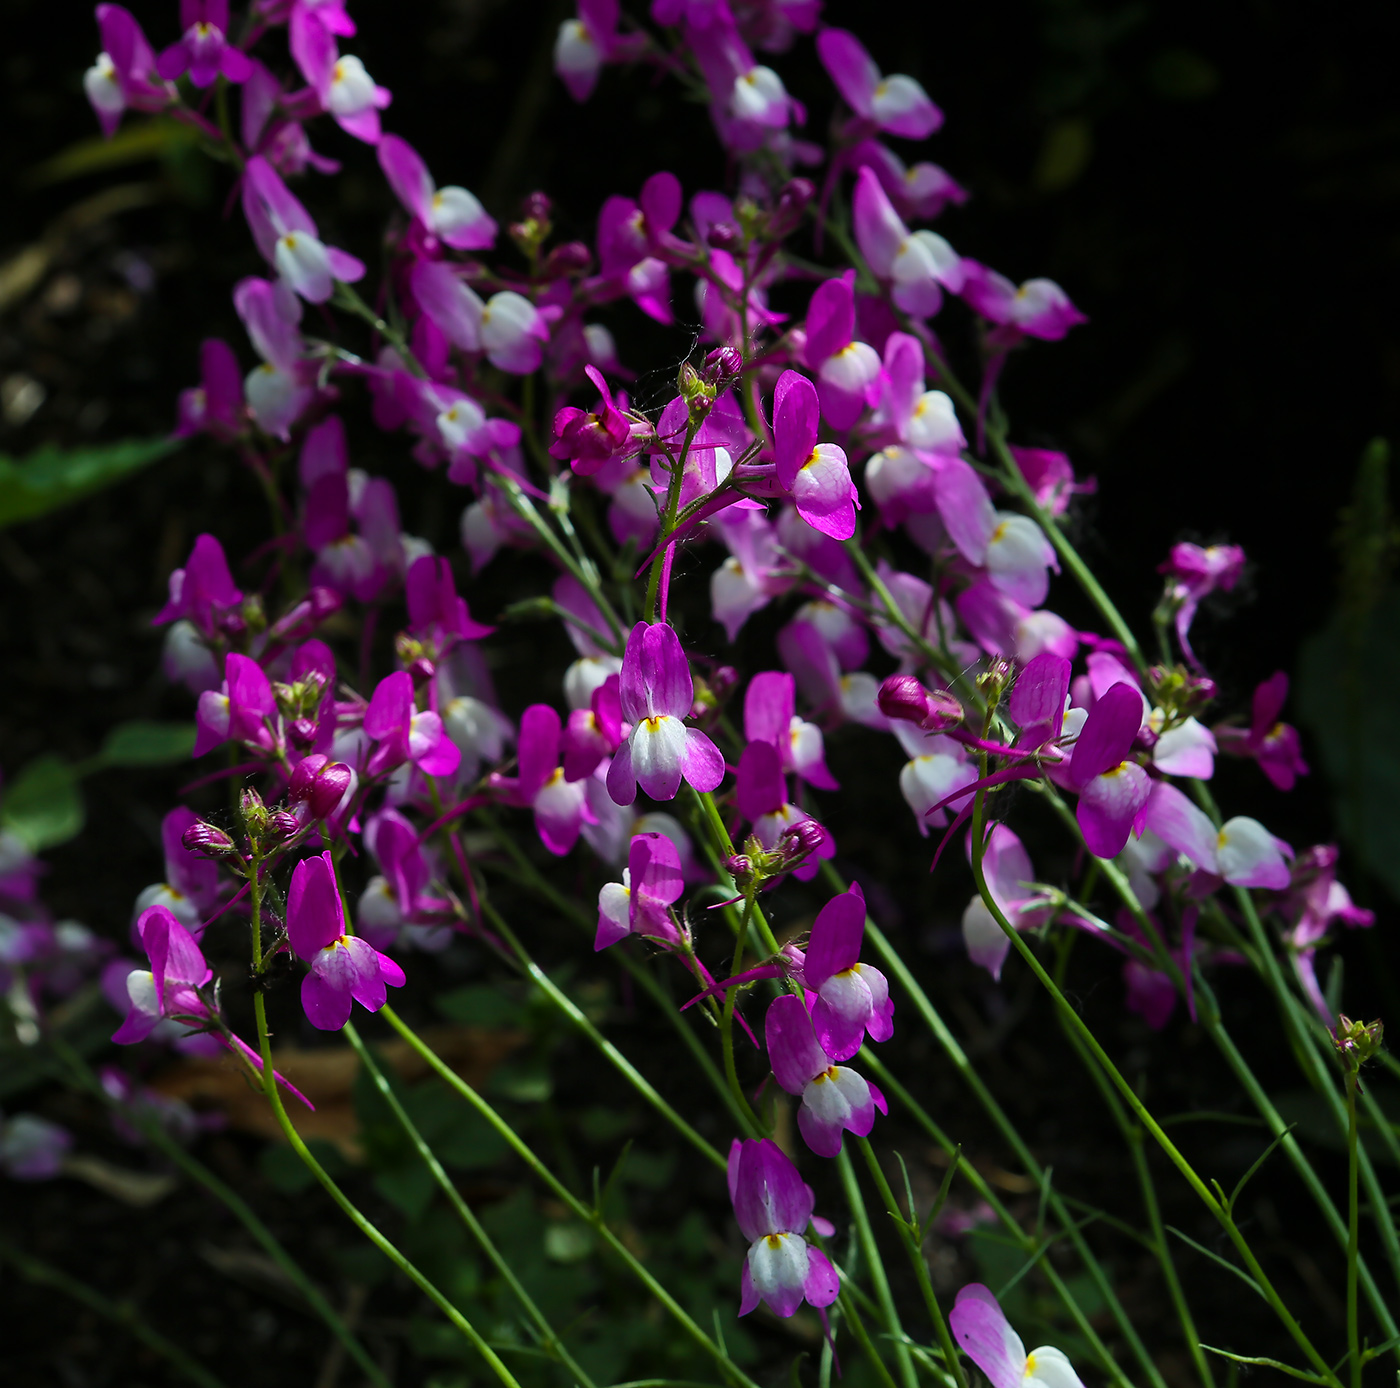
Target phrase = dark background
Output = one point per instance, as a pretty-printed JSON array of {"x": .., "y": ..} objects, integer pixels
[{"x": 1215, "y": 185}]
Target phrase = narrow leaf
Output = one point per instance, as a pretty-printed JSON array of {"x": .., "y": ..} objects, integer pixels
[
  {"x": 143, "y": 743},
  {"x": 56, "y": 477},
  {"x": 1259, "y": 1161},
  {"x": 1224, "y": 1262},
  {"x": 1265, "y": 1363}
]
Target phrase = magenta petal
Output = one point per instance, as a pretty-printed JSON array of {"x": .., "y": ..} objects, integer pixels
[
  {"x": 326, "y": 1007},
  {"x": 622, "y": 784},
  {"x": 391, "y": 705},
  {"x": 850, "y": 67},
  {"x": 654, "y": 866},
  {"x": 1038, "y": 698},
  {"x": 964, "y": 506},
  {"x": 666, "y": 672},
  {"x": 821, "y": 1135},
  {"x": 701, "y": 761},
  {"x": 769, "y": 1196},
  {"x": 796, "y": 414},
  {"x": 831, "y": 318},
  {"x": 836, "y": 937},
  {"x": 538, "y": 746},
  {"x": 1178, "y": 823},
  {"x": 987, "y": 1338},
  {"x": 822, "y": 1286},
  {"x": 315, "y": 917},
  {"x": 1109, "y": 805},
  {"x": 839, "y": 1036},
  {"x": 793, "y": 1051},
  {"x": 407, "y": 175},
  {"x": 760, "y": 788},
  {"x": 769, "y": 705},
  {"x": 1108, "y": 733},
  {"x": 365, "y": 977},
  {"x": 748, "y": 1295}
]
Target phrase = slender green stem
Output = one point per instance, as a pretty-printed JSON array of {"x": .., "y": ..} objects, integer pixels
[
  {"x": 1353, "y": 1234},
  {"x": 891, "y": 959},
  {"x": 592, "y": 1217},
  {"x": 883, "y": 1296},
  {"x": 242, "y": 1211},
  {"x": 916, "y": 1259},
  {"x": 352, "y": 1212},
  {"x": 726, "y": 1025},
  {"x": 848, "y": 1309},
  {"x": 633, "y": 1076},
  {"x": 550, "y": 1341},
  {"x": 668, "y": 522},
  {"x": 122, "y": 1313},
  {"x": 1077, "y": 1023}
]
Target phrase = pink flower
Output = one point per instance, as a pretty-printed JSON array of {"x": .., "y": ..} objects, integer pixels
[
  {"x": 1039, "y": 308},
  {"x": 204, "y": 51},
  {"x": 588, "y": 440},
  {"x": 241, "y": 710},
  {"x": 920, "y": 192},
  {"x": 848, "y": 372},
  {"x": 404, "y": 734},
  {"x": 341, "y": 84},
  {"x": 451, "y": 214},
  {"x": 1113, "y": 791},
  {"x": 215, "y": 405},
  {"x": 434, "y": 609},
  {"x": 760, "y": 795},
  {"x": 814, "y": 474},
  {"x": 170, "y": 988},
  {"x": 287, "y": 239},
  {"x": 774, "y": 1208},
  {"x": 1242, "y": 851},
  {"x": 852, "y": 998},
  {"x": 770, "y": 716},
  {"x": 1193, "y": 573},
  {"x": 584, "y": 44},
  {"x": 918, "y": 265},
  {"x": 657, "y": 692},
  {"x": 641, "y": 903},
  {"x": 981, "y": 1328},
  {"x": 897, "y": 105},
  {"x": 1275, "y": 745},
  {"x": 124, "y": 74},
  {"x": 1007, "y": 868},
  {"x": 834, "y": 1099},
  {"x": 281, "y": 388},
  {"x": 344, "y": 969},
  {"x": 561, "y": 806},
  {"x": 203, "y": 592},
  {"x": 595, "y": 732}
]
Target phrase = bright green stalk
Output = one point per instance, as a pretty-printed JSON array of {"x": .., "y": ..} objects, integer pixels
[
  {"x": 121, "y": 1313},
  {"x": 890, "y": 957},
  {"x": 550, "y": 1341},
  {"x": 1203, "y": 1192},
  {"x": 197, "y": 1171},
  {"x": 1353, "y": 1234},
  {"x": 871, "y": 1249},
  {"x": 629, "y": 1072},
  {"x": 384, "y": 1245},
  {"x": 590, "y": 1216},
  {"x": 847, "y": 1305},
  {"x": 916, "y": 1258}
]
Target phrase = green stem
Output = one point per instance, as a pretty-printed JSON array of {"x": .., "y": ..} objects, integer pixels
[
  {"x": 726, "y": 1027},
  {"x": 629, "y": 1072},
  {"x": 848, "y": 1310},
  {"x": 550, "y": 1341},
  {"x": 1139, "y": 1109},
  {"x": 592, "y": 1217},
  {"x": 241, "y": 1210},
  {"x": 121, "y": 1313},
  {"x": 668, "y": 521},
  {"x": 1353, "y": 1233},
  {"x": 883, "y": 1296},
  {"x": 916, "y": 1259},
  {"x": 352, "y": 1212}
]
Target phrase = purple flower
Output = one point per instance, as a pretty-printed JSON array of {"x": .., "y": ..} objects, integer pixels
[
  {"x": 897, "y": 105},
  {"x": 169, "y": 988},
  {"x": 920, "y": 192},
  {"x": 404, "y": 734},
  {"x": 344, "y": 968},
  {"x": 770, "y": 716},
  {"x": 587, "y": 440},
  {"x": 204, "y": 51},
  {"x": 203, "y": 592},
  {"x": 240, "y": 710},
  {"x": 269, "y": 131},
  {"x": 657, "y": 693},
  {"x": 1242, "y": 851},
  {"x": 834, "y": 1099},
  {"x": 215, "y": 405},
  {"x": 852, "y": 998},
  {"x": 1113, "y": 791},
  {"x": 586, "y": 43},
  {"x": 918, "y": 265},
  {"x": 1051, "y": 477},
  {"x": 641, "y": 903},
  {"x": 848, "y": 372},
  {"x": 595, "y": 732},
  {"x": 753, "y": 574},
  {"x": 124, "y": 74},
  {"x": 773, "y": 1207},
  {"x": 924, "y": 420},
  {"x": 451, "y": 214},
  {"x": 1274, "y": 745},
  {"x": 341, "y": 84},
  {"x": 399, "y": 896},
  {"x": 815, "y": 475},
  {"x": 1193, "y": 573},
  {"x": 287, "y": 239},
  {"x": 1038, "y": 308},
  {"x": 981, "y": 1328},
  {"x": 281, "y": 388},
  {"x": 434, "y": 609},
  {"x": 32, "y": 1148},
  {"x": 560, "y": 805},
  {"x": 191, "y": 885}
]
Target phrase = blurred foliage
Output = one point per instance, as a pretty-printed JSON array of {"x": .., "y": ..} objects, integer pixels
[{"x": 56, "y": 477}]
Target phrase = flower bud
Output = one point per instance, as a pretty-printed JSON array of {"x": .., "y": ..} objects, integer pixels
[
  {"x": 572, "y": 258},
  {"x": 209, "y": 839},
  {"x": 301, "y": 732},
  {"x": 281, "y": 825},
  {"x": 725, "y": 236},
  {"x": 307, "y": 615},
  {"x": 320, "y": 784},
  {"x": 422, "y": 669},
  {"x": 904, "y": 699},
  {"x": 697, "y": 392},
  {"x": 1357, "y": 1042},
  {"x": 536, "y": 206},
  {"x": 790, "y": 208},
  {"x": 723, "y": 682},
  {"x": 804, "y": 838},
  {"x": 738, "y": 866},
  {"x": 723, "y": 363},
  {"x": 253, "y": 811}
]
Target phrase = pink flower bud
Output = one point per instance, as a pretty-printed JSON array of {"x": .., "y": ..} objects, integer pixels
[
  {"x": 282, "y": 825},
  {"x": 320, "y": 784},
  {"x": 537, "y": 206},
  {"x": 572, "y": 258},
  {"x": 723, "y": 363},
  {"x": 202, "y": 837},
  {"x": 723, "y": 682},
  {"x": 301, "y": 732},
  {"x": 903, "y": 698},
  {"x": 803, "y": 838},
  {"x": 791, "y": 207},
  {"x": 422, "y": 670},
  {"x": 725, "y": 236},
  {"x": 739, "y": 865}
]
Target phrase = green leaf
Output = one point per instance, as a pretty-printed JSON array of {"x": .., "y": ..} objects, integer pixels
[
  {"x": 143, "y": 743},
  {"x": 480, "y": 1005},
  {"x": 1216, "y": 1258},
  {"x": 42, "y": 805},
  {"x": 1266, "y": 1363},
  {"x": 55, "y": 477},
  {"x": 136, "y": 143},
  {"x": 1259, "y": 1161}
]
